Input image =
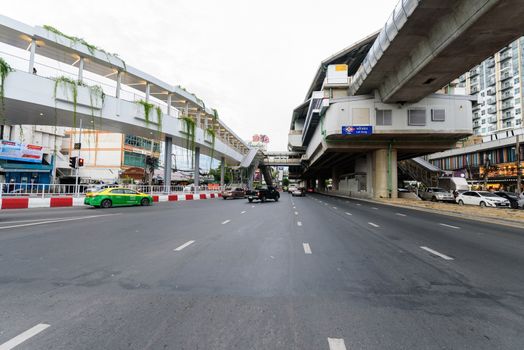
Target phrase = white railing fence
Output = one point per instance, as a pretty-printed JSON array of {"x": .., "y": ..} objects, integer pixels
[{"x": 51, "y": 190}]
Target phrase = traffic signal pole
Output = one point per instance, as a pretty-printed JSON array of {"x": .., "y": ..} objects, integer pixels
[{"x": 76, "y": 161}]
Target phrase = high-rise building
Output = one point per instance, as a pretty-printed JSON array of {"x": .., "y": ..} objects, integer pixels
[{"x": 497, "y": 84}]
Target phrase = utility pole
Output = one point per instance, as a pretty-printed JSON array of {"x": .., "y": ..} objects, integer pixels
[{"x": 517, "y": 156}]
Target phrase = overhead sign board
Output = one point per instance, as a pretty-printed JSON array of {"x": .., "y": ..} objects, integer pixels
[
  {"x": 11, "y": 150},
  {"x": 357, "y": 130}
]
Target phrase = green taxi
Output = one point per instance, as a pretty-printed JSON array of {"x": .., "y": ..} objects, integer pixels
[{"x": 116, "y": 197}]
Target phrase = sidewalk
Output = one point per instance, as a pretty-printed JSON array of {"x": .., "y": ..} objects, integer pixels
[{"x": 509, "y": 217}]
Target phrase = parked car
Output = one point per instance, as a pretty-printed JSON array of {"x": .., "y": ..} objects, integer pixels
[
  {"x": 299, "y": 192},
  {"x": 436, "y": 194},
  {"x": 118, "y": 196},
  {"x": 263, "y": 193},
  {"x": 482, "y": 198},
  {"x": 233, "y": 193},
  {"x": 513, "y": 199}
]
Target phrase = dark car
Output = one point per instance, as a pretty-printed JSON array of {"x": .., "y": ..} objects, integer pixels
[
  {"x": 233, "y": 193},
  {"x": 511, "y": 197},
  {"x": 263, "y": 193}
]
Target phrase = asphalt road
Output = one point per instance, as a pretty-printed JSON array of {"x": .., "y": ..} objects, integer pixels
[{"x": 303, "y": 273}]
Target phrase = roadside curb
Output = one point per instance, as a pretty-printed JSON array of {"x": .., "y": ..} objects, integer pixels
[
  {"x": 491, "y": 220},
  {"x": 68, "y": 201}
]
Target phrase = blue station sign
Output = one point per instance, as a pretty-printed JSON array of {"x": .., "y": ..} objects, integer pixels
[{"x": 357, "y": 130}]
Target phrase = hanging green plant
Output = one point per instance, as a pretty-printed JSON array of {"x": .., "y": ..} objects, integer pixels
[
  {"x": 96, "y": 97},
  {"x": 5, "y": 69},
  {"x": 69, "y": 86},
  {"x": 189, "y": 131},
  {"x": 159, "y": 116},
  {"x": 90, "y": 47},
  {"x": 147, "y": 109},
  {"x": 215, "y": 115}
]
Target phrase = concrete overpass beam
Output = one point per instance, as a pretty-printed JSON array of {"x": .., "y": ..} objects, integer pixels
[{"x": 384, "y": 173}]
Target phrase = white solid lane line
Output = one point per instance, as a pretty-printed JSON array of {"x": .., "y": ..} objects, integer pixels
[
  {"x": 400, "y": 214},
  {"x": 372, "y": 224},
  {"x": 243, "y": 212},
  {"x": 434, "y": 252},
  {"x": 188, "y": 243},
  {"x": 299, "y": 223},
  {"x": 348, "y": 213},
  {"x": 225, "y": 222},
  {"x": 336, "y": 344},
  {"x": 43, "y": 222},
  {"x": 450, "y": 226},
  {"x": 22, "y": 337},
  {"x": 307, "y": 248}
]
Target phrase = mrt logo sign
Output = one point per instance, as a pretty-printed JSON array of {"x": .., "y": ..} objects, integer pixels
[{"x": 357, "y": 130}]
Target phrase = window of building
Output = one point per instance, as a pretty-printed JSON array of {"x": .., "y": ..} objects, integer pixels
[
  {"x": 476, "y": 114},
  {"x": 518, "y": 121},
  {"x": 508, "y": 124},
  {"x": 516, "y": 80},
  {"x": 517, "y": 101},
  {"x": 483, "y": 112},
  {"x": 483, "y": 130},
  {"x": 417, "y": 117},
  {"x": 438, "y": 115},
  {"x": 483, "y": 121},
  {"x": 134, "y": 159},
  {"x": 138, "y": 142},
  {"x": 517, "y": 91},
  {"x": 517, "y": 111},
  {"x": 383, "y": 117}
]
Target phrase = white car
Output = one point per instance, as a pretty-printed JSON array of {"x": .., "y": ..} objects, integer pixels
[
  {"x": 292, "y": 188},
  {"x": 482, "y": 198}
]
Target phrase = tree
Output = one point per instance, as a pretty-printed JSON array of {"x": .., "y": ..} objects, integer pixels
[{"x": 285, "y": 182}]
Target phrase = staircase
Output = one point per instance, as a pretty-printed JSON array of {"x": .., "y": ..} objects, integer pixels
[{"x": 420, "y": 170}]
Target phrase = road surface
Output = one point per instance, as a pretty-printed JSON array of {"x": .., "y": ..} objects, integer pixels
[{"x": 302, "y": 273}]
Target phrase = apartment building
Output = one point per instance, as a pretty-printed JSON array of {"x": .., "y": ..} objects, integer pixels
[{"x": 497, "y": 84}]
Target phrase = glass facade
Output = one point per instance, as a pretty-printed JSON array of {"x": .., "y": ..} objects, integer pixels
[
  {"x": 134, "y": 159},
  {"x": 142, "y": 143}
]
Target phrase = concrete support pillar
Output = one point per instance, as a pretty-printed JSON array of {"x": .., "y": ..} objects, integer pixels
[
  {"x": 168, "y": 150},
  {"x": 186, "y": 109},
  {"x": 222, "y": 170},
  {"x": 250, "y": 174},
  {"x": 385, "y": 173},
  {"x": 322, "y": 184},
  {"x": 335, "y": 177},
  {"x": 32, "y": 51},
  {"x": 118, "y": 84},
  {"x": 169, "y": 97},
  {"x": 148, "y": 91},
  {"x": 81, "y": 69},
  {"x": 198, "y": 119},
  {"x": 197, "y": 169}
]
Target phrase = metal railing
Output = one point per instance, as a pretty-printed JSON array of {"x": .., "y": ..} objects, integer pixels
[{"x": 53, "y": 190}]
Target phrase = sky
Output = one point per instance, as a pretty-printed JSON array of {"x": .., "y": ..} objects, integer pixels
[{"x": 251, "y": 60}]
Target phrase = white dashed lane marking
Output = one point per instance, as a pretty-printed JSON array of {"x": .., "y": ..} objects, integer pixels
[
  {"x": 348, "y": 213},
  {"x": 299, "y": 223},
  {"x": 336, "y": 344},
  {"x": 375, "y": 208},
  {"x": 400, "y": 214},
  {"x": 22, "y": 337},
  {"x": 187, "y": 244},
  {"x": 434, "y": 252},
  {"x": 450, "y": 226},
  {"x": 225, "y": 222},
  {"x": 307, "y": 248},
  {"x": 243, "y": 212},
  {"x": 372, "y": 224},
  {"x": 335, "y": 208}
]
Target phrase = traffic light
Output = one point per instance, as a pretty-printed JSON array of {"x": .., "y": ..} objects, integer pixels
[
  {"x": 72, "y": 162},
  {"x": 80, "y": 162}
]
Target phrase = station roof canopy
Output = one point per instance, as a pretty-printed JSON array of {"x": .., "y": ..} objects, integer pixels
[{"x": 352, "y": 56}]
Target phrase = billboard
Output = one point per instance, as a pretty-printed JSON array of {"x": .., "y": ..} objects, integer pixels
[{"x": 11, "y": 150}]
